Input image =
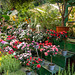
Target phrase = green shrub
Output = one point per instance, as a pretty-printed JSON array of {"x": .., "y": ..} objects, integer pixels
[{"x": 8, "y": 62}]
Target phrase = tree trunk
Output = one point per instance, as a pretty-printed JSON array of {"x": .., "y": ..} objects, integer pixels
[{"x": 62, "y": 23}]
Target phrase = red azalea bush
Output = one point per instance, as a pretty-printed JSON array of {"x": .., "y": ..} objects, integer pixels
[
  {"x": 34, "y": 63},
  {"x": 57, "y": 35}
]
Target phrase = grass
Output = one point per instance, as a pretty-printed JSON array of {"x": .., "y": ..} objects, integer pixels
[{"x": 19, "y": 72}]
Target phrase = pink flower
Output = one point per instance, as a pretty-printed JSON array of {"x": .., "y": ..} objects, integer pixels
[
  {"x": 55, "y": 52},
  {"x": 46, "y": 54},
  {"x": 27, "y": 45},
  {"x": 41, "y": 49},
  {"x": 58, "y": 45},
  {"x": 27, "y": 33},
  {"x": 57, "y": 49},
  {"x": 48, "y": 51}
]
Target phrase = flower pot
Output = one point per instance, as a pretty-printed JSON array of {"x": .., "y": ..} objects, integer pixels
[
  {"x": 64, "y": 53},
  {"x": 28, "y": 72},
  {"x": 51, "y": 67},
  {"x": 33, "y": 29},
  {"x": 60, "y": 29}
]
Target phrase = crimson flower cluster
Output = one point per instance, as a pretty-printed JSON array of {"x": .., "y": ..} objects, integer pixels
[
  {"x": 34, "y": 63},
  {"x": 57, "y": 35},
  {"x": 11, "y": 37},
  {"x": 47, "y": 43}
]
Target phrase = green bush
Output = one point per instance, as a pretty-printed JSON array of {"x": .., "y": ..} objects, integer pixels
[
  {"x": 19, "y": 72},
  {"x": 8, "y": 62}
]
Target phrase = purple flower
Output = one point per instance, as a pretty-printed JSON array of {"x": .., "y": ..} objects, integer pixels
[{"x": 3, "y": 42}]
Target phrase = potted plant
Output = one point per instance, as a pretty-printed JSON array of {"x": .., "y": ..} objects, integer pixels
[
  {"x": 52, "y": 52},
  {"x": 63, "y": 36},
  {"x": 33, "y": 63}
]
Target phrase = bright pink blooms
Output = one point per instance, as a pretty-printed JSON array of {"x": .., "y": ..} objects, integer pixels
[
  {"x": 46, "y": 54},
  {"x": 41, "y": 49}
]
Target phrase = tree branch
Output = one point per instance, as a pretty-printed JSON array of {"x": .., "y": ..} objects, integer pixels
[
  {"x": 59, "y": 8},
  {"x": 68, "y": 12},
  {"x": 65, "y": 6}
]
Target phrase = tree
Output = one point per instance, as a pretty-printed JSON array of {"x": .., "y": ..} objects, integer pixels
[{"x": 62, "y": 4}]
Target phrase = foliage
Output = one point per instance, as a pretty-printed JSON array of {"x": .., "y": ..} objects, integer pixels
[
  {"x": 8, "y": 62},
  {"x": 48, "y": 19},
  {"x": 19, "y": 72},
  {"x": 62, "y": 4},
  {"x": 69, "y": 71}
]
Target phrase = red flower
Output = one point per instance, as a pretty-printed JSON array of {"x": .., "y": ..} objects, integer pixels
[
  {"x": 27, "y": 59},
  {"x": 10, "y": 52},
  {"x": 30, "y": 58},
  {"x": 57, "y": 35},
  {"x": 16, "y": 42},
  {"x": 49, "y": 43},
  {"x": 66, "y": 36},
  {"x": 1, "y": 40},
  {"x": 50, "y": 29},
  {"x": 46, "y": 41},
  {"x": 37, "y": 61},
  {"x": 38, "y": 66},
  {"x": 20, "y": 42},
  {"x": 47, "y": 37},
  {"x": 32, "y": 62},
  {"x": 61, "y": 32},
  {"x": 51, "y": 34},
  {"x": 27, "y": 64},
  {"x": 9, "y": 36},
  {"x": 33, "y": 59},
  {"x": 47, "y": 30},
  {"x": 40, "y": 43}
]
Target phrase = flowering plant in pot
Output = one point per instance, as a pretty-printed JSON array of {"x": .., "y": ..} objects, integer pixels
[
  {"x": 50, "y": 50},
  {"x": 60, "y": 37},
  {"x": 33, "y": 63}
]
